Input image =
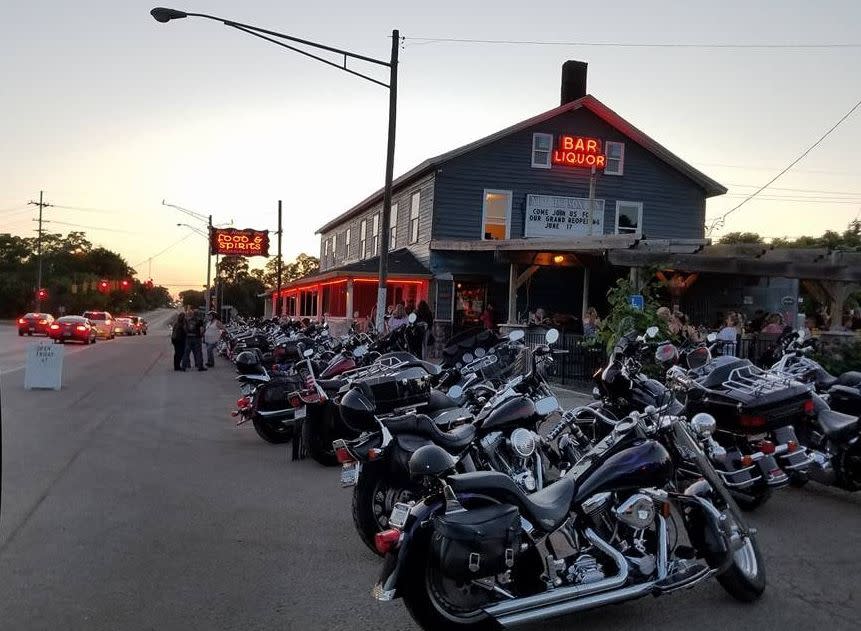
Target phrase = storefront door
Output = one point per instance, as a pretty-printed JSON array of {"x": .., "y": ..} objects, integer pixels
[{"x": 470, "y": 298}]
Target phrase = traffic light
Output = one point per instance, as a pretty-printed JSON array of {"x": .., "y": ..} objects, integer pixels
[
  {"x": 124, "y": 284},
  {"x": 103, "y": 286},
  {"x": 149, "y": 284},
  {"x": 42, "y": 294}
]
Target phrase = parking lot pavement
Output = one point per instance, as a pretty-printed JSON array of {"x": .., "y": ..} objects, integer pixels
[{"x": 131, "y": 501}]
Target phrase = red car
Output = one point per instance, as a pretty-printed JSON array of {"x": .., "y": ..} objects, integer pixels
[
  {"x": 72, "y": 329},
  {"x": 34, "y": 323}
]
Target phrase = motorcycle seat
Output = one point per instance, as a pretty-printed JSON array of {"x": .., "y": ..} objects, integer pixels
[
  {"x": 449, "y": 416},
  {"x": 824, "y": 379},
  {"x": 252, "y": 378},
  {"x": 837, "y": 426},
  {"x": 851, "y": 378},
  {"x": 548, "y": 507},
  {"x": 440, "y": 401},
  {"x": 332, "y": 384},
  {"x": 423, "y": 425}
]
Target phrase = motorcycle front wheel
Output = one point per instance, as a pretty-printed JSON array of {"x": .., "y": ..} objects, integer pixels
[
  {"x": 744, "y": 580},
  {"x": 375, "y": 494},
  {"x": 438, "y": 602}
]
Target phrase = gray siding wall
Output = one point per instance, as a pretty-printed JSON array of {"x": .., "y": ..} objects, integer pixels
[
  {"x": 402, "y": 197},
  {"x": 673, "y": 205}
]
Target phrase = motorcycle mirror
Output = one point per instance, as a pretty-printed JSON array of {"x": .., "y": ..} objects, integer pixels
[
  {"x": 711, "y": 338},
  {"x": 309, "y": 352},
  {"x": 412, "y": 318},
  {"x": 467, "y": 357},
  {"x": 652, "y": 332},
  {"x": 552, "y": 336},
  {"x": 516, "y": 335},
  {"x": 480, "y": 352},
  {"x": 455, "y": 392}
]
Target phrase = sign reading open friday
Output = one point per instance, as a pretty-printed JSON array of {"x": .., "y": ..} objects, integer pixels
[
  {"x": 236, "y": 242},
  {"x": 554, "y": 216}
]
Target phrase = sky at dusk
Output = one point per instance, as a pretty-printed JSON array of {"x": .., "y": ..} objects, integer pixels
[{"x": 109, "y": 111}]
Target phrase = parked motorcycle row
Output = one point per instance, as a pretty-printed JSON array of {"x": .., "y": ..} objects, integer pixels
[{"x": 492, "y": 506}]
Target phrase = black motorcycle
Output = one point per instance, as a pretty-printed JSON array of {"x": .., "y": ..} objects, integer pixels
[{"x": 477, "y": 552}]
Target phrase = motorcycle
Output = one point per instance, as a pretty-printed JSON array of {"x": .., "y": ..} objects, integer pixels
[
  {"x": 478, "y": 553},
  {"x": 493, "y": 428}
]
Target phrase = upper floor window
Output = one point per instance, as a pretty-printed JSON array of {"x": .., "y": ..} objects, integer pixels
[
  {"x": 393, "y": 228},
  {"x": 326, "y": 245},
  {"x": 375, "y": 233},
  {"x": 615, "y": 152},
  {"x": 363, "y": 239},
  {"x": 496, "y": 217},
  {"x": 542, "y": 145},
  {"x": 415, "y": 201},
  {"x": 629, "y": 218},
  {"x": 347, "y": 234}
]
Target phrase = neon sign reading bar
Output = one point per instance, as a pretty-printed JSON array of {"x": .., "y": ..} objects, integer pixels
[{"x": 577, "y": 151}]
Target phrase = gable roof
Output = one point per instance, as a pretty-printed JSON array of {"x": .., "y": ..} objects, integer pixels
[{"x": 588, "y": 102}]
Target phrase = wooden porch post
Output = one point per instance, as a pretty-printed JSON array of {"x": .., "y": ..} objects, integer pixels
[
  {"x": 349, "y": 313},
  {"x": 512, "y": 294},
  {"x": 587, "y": 277}
]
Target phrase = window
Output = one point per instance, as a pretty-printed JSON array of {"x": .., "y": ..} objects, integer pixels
[
  {"x": 542, "y": 145},
  {"x": 393, "y": 228},
  {"x": 347, "y": 235},
  {"x": 363, "y": 239},
  {"x": 629, "y": 218},
  {"x": 615, "y": 152},
  {"x": 415, "y": 201},
  {"x": 497, "y": 215},
  {"x": 375, "y": 234}
]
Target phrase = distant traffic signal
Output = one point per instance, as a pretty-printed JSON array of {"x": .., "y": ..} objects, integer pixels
[
  {"x": 42, "y": 294},
  {"x": 103, "y": 286},
  {"x": 149, "y": 284},
  {"x": 124, "y": 284}
]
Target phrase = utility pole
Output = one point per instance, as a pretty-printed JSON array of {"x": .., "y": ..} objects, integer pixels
[
  {"x": 208, "y": 300},
  {"x": 278, "y": 262},
  {"x": 41, "y": 204},
  {"x": 387, "y": 189}
]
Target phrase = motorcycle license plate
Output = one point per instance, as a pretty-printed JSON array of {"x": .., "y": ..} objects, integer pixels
[
  {"x": 350, "y": 473},
  {"x": 400, "y": 513},
  {"x": 300, "y": 413}
]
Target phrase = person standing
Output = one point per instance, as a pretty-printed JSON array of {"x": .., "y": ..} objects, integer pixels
[
  {"x": 177, "y": 338},
  {"x": 193, "y": 337},
  {"x": 398, "y": 317},
  {"x": 423, "y": 315},
  {"x": 211, "y": 336},
  {"x": 488, "y": 317},
  {"x": 729, "y": 334},
  {"x": 591, "y": 323}
]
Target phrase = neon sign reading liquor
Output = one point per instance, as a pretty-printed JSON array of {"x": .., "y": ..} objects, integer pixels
[{"x": 577, "y": 151}]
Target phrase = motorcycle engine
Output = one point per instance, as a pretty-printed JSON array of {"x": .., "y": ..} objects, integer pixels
[{"x": 515, "y": 456}]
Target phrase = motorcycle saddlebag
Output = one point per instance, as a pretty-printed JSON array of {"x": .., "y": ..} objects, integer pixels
[{"x": 477, "y": 543}]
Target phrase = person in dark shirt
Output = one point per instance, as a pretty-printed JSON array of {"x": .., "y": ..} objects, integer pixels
[
  {"x": 177, "y": 338},
  {"x": 193, "y": 341}
]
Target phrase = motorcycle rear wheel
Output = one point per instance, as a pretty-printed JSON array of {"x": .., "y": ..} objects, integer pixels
[
  {"x": 271, "y": 434},
  {"x": 750, "y": 502},
  {"x": 318, "y": 443},
  {"x": 374, "y": 496},
  {"x": 431, "y": 598}
]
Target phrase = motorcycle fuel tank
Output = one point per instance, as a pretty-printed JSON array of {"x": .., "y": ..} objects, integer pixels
[
  {"x": 339, "y": 364},
  {"x": 644, "y": 464},
  {"x": 512, "y": 412}
]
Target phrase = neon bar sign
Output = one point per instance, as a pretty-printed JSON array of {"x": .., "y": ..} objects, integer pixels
[
  {"x": 577, "y": 151},
  {"x": 230, "y": 241}
]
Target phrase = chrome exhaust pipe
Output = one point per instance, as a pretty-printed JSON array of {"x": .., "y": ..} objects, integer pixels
[
  {"x": 579, "y": 604},
  {"x": 519, "y": 606},
  {"x": 581, "y": 597}
]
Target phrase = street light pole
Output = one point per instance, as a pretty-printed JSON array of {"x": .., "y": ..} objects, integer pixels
[
  {"x": 208, "y": 301},
  {"x": 162, "y": 14},
  {"x": 278, "y": 264}
]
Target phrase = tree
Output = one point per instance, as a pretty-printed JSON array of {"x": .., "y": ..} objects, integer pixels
[
  {"x": 302, "y": 265},
  {"x": 732, "y": 238},
  {"x": 232, "y": 268},
  {"x": 191, "y": 298}
]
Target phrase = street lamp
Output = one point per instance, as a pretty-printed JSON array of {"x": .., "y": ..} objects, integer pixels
[{"x": 163, "y": 15}]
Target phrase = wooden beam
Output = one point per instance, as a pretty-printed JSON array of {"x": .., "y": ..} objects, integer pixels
[{"x": 526, "y": 275}]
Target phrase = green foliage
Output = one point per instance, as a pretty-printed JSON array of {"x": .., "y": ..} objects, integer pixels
[
  {"x": 191, "y": 298},
  {"x": 840, "y": 357},
  {"x": 731, "y": 238},
  {"x": 71, "y": 267},
  {"x": 623, "y": 318}
]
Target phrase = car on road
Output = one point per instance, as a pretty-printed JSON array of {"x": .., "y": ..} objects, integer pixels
[
  {"x": 139, "y": 323},
  {"x": 72, "y": 329},
  {"x": 34, "y": 323},
  {"x": 103, "y": 322},
  {"x": 124, "y": 326}
]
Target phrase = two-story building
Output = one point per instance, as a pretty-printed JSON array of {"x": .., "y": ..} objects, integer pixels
[{"x": 523, "y": 218}]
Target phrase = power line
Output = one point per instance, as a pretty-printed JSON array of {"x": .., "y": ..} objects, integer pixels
[
  {"x": 91, "y": 210},
  {"x": 13, "y": 209},
  {"x": 720, "y": 221},
  {"x": 801, "y": 190},
  {"x": 751, "y": 167},
  {"x": 98, "y": 228},
  {"x": 516, "y": 42},
  {"x": 172, "y": 245}
]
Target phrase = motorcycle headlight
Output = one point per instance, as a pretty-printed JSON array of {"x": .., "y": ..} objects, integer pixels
[
  {"x": 703, "y": 424},
  {"x": 523, "y": 442}
]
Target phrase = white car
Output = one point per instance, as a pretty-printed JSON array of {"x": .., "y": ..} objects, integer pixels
[{"x": 103, "y": 322}]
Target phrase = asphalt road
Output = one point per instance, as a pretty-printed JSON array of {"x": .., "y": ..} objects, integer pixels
[{"x": 130, "y": 501}]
